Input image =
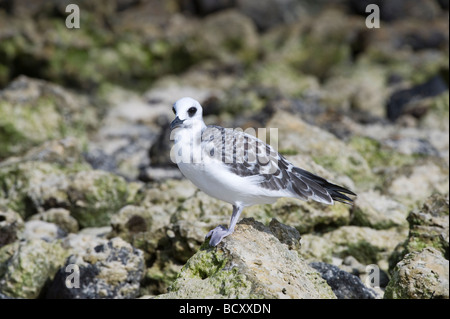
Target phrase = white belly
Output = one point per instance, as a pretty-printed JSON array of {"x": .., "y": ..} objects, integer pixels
[{"x": 218, "y": 182}]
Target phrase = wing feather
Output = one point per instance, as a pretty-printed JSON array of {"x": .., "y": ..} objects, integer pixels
[{"x": 246, "y": 156}]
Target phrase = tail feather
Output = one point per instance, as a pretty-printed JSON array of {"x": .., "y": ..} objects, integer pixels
[{"x": 336, "y": 192}]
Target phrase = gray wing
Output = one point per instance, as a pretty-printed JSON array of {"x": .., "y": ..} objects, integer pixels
[{"x": 246, "y": 155}]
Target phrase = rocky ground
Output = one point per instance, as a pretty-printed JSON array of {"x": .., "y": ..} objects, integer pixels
[{"x": 85, "y": 171}]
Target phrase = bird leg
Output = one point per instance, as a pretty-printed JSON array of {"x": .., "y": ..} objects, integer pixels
[{"x": 220, "y": 232}]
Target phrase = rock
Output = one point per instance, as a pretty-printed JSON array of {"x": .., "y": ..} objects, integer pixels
[
  {"x": 306, "y": 217},
  {"x": 60, "y": 217},
  {"x": 204, "y": 7},
  {"x": 361, "y": 88},
  {"x": 398, "y": 9},
  {"x": 271, "y": 13},
  {"x": 111, "y": 270},
  {"x": 324, "y": 148},
  {"x": 343, "y": 284},
  {"x": 399, "y": 100},
  {"x": 413, "y": 183},
  {"x": 428, "y": 227},
  {"x": 64, "y": 152},
  {"x": 87, "y": 239},
  {"x": 437, "y": 115},
  {"x": 316, "y": 247},
  {"x": 250, "y": 263},
  {"x": 128, "y": 130},
  {"x": 29, "y": 268},
  {"x": 37, "y": 229},
  {"x": 166, "y": 244},
  {"x": 420, "y": 275},
  {"x": 91, "y": 196},
  {"x": 372, "y": 209},
  {"x": 34, "y": 111},
  {"x": 395, "y": 145},
  {"x": 11, "y": 225},
  {"x": 367, "y": 245},
  {"x": 227, "y": 36},
  {"x": 32, "y": 186},
  {"x": 130, "y": 221},
  {"x": 95, "y": 196}
]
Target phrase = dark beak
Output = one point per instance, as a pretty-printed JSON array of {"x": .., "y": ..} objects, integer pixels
[{"x": 176, "y": 123}]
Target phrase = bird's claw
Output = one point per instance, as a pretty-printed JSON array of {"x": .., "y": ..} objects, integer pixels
[{"x": 217, "y": 234}]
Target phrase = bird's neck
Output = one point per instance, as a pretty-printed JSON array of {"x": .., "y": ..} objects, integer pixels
[
  {"x": 190, "y": 135},
  {"x": 188, "y": 144}
]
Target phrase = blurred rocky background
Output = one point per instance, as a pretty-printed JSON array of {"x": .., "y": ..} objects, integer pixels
[{"x": 86, "y": 177}]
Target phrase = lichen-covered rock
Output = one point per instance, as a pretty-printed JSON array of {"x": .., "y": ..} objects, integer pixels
[
  {"x": 64, "y": 152},
  {"x": 316, "y": 248},
  {"x": 227, "y": 36},
  {"x": 91, "y": 196},
  {"x": 33, "y": 185},
  {"x": 111, "y": 270},
  {"x": 11, "y": 225},
  {"x": 38, "y": 229},
  {"x": 30, "y": 266},
  {"x": 128, "y": 128},
  {"x": 251, "y": 263},
  {"x": 428, "y": 227},
  {"x": 95, "y": 196},
  {"x": 309, "y": 216},
  {"x": 367, "y": 245},
  {"x": 420, "y": 275},
  {"x": 60, "y": 217},
  {"x": 414, "y": 183},
  {"x": 325, "y": 148},
  {"x": 34, "y": 111},
  {"x": 360, "y": 88},
  {"x": 378, "y": 211}
]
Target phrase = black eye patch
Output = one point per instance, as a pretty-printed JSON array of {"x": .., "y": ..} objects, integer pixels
[
  {"x": 173, "y": 110},
  {"x": 192, "y": 111}
]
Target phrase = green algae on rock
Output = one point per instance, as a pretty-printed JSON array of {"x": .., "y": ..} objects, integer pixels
[
  {"x": 325, "y": 148},
  {"x": 428, "y": 227},
  {"x": 421, "y": 274},
  {"x": 91, "y": 196},
  {"x": 35, "y": 111},
  {"x": 247, "y": 265},
  {"x": 33, "y": 263},
  {"x": 110, "y": 270}
]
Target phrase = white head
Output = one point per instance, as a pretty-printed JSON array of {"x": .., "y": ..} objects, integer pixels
[{"x": 188, "y": 112}]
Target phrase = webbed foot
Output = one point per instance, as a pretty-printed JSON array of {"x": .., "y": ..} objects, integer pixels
[{"x": 217, "y": 234}]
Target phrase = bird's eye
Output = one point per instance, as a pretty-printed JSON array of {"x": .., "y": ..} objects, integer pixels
[
  {"x": 173, "y": 110},
  {"x": 192, "y": 111}
]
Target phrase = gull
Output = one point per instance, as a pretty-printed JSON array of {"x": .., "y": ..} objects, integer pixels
[{"x": 238, "y": 168}]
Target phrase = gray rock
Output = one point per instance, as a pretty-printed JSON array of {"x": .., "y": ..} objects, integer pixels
[
  {"x": 127, "y": 131},
  {"x": 11, "y": 225},
  {"x": 420, "y": 275},
  {"x": 59, "y": 216},
  {"x": 344, "y": 284},
  {"x": 270, "y": 13},
  {"x": 38, "y": 229},
  {"x": 27, "y": 266},
  {"x": 251, "y": 263},
  {"x": 428, "y": 227},
  {"x": 367, "y": 245},
  {"x": 91, "y": 196},
  {"x": 324, "y": 148},
  {"x": 110, "y": 270},
  {"x": 378, "y": 211},
  {"x": 35, "y": 111}
]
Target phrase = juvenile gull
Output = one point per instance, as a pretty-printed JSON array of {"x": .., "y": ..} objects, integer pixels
[{"x": 238, "y": 168}]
